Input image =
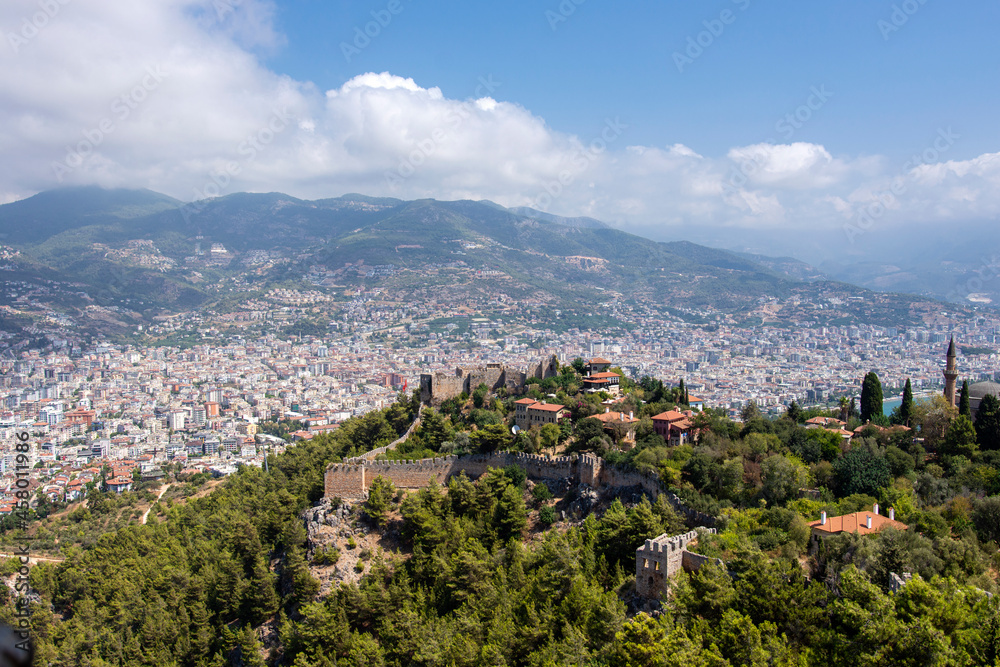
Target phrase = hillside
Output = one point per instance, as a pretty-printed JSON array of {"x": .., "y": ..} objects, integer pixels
[{"x": 112, "y": 259}]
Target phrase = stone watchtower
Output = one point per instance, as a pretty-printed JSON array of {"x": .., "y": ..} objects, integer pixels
[
  {"x": 950, "y": 374},
  {"x": 659, "y": 559}
]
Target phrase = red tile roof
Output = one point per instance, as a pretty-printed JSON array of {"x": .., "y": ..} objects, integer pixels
[
  {"x": 615, "y": 417},
  {"x": 548, "y": 407},
  {"x": 856, "y": 523},
  {"x": 669, "y": 416}
]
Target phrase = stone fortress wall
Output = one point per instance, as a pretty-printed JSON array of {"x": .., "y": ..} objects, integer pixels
[
  {"x": 655, "y": 562},
  {"x": 438, "y": 387},
  {"x": 351, "y": 479}
]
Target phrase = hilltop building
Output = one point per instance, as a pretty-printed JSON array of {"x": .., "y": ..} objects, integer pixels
[
  {"x": 978, "y": 391},
  {"x": 528, "y": 412},
  {"x": 597, "y": 365},
  {"x": 673, "y": 426},
  {"x": 438, "y": 387},
  {"x": 862, "y": 523},
  {"x": 605, "y": 381}
]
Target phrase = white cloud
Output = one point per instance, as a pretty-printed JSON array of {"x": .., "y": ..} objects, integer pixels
[{"x": 172, "y": 95}]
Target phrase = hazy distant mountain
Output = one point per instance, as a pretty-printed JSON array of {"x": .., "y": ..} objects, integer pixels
[
  {"x": 959, "y": 263},
  {"x": 144, "y": 251},
  {"x": 556, "y": 219},
  {"x": 788, "y": 266}
]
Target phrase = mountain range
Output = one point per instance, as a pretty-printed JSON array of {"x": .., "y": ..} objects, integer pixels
[{"x": 143, "y": 254}]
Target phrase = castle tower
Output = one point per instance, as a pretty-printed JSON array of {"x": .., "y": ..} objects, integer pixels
[{"x": 950, "y": 374}]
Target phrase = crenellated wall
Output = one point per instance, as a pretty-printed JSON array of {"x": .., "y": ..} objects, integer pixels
[
  {"x": 345, "y": 481},
  {"x": 661, "y": 558},
  {"x": 437, "y": 387}
]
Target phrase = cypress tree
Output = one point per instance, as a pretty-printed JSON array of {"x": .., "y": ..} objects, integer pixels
[
  {"x": 963, "y": 400},
  {"x": 988, "y": 422},
  {"x": 871, "y": 398},
  {"x": 906, "y": 407}
]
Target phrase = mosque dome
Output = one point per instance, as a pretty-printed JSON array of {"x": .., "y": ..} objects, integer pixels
[{"x": 980, "y": 389}]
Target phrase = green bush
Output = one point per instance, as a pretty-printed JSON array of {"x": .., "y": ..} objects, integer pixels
[
  {"x": 541, "y": 493},
  {"x": 328, "y": 555},
  {"x": 547, "y": 515}
]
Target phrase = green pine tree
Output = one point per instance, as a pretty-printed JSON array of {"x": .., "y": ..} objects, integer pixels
[{"x": 963, "y": 400}]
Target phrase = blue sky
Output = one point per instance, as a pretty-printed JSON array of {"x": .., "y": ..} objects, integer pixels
[
  {"x": 789, "y": 127},
  {"x": 941, "y": 67}
]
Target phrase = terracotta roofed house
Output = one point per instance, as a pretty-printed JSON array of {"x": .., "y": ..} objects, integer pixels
[
  {"x": 673, "y": 426},
  {"x": 610, "y": 418},
  {"x": 862, "y": 523},
  {"x": 530, "y": 412},
  {"x": 605, "y": 381},
  {"x": 597, "y": 365}
]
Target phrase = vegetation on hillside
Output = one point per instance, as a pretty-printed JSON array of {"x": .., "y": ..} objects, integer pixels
[{"x": 489, "y": 573}]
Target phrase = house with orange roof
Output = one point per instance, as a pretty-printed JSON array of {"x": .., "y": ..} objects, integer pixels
[
  {"x": 529, "y": 412},
  {"x": 675, "y": 427},
  {"x": 861, "y": 523},
  {"x": 119, "y": 484},
  {"x": 74, "y": 490},
  {"x": 825, "y": 422},
  {"x": 521, "y": 411},
  {"x": 604, "y": 381},
  {"x": 597, "y": 365},
  {"x": 609, "y": 418}
]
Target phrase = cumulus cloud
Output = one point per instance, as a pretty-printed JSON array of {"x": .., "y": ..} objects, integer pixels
[{"x": 172, "y": 95}]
